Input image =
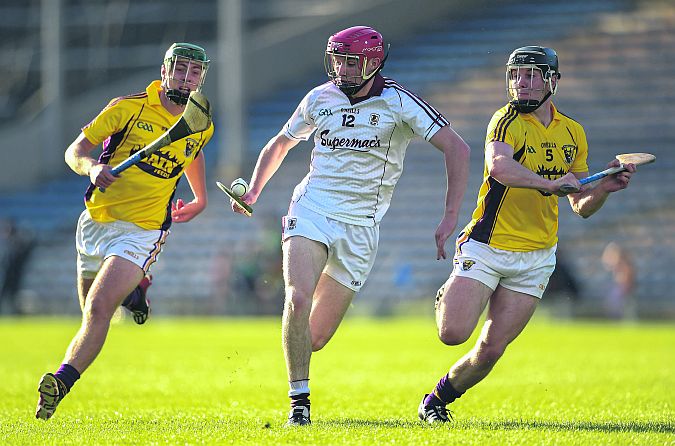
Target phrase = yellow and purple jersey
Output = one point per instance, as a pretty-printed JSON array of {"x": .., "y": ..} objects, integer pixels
[
  {"x": 142, "y": 195},
  {"x": 518, "y": 219}
]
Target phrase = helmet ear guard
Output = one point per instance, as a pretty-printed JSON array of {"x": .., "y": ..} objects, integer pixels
[{"x": 191, "y": 55}]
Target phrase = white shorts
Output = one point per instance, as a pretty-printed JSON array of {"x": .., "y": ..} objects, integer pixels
[
  {"x": 97, "y": 241},
  {"x": 524, "y": 272},
  {"x": 351, "y": 248}
]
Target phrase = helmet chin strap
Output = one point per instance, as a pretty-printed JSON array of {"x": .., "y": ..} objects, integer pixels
[
  {"x": 176, "y": 96},
  {"x": 351, "y": 90},
  {"x": 528, "y": 105}
]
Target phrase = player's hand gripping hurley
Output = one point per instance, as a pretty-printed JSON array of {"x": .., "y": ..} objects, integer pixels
[
  {"x": 248, "y": 211},
  {"x": 625, "y": 158},
  {"x": 196, "y": 118}
]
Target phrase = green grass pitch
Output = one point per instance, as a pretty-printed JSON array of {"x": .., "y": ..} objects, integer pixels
[{"x": 222, "y": 381}]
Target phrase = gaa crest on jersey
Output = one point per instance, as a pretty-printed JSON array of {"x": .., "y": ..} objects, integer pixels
[
  {"x": 374, "y": 119},
  {"x": 467, "y": 264},
  {"x": 291, "y": 223},
  {"x": 145, "y": 126},
  {"x": 570, "y": 152},
  {"x": 190, "y": 146}
]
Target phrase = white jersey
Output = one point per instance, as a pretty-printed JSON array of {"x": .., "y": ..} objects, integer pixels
[{"x": 359, "y": 147}]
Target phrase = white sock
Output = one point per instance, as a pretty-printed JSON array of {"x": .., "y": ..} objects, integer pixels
[{"x": 298, "y": 387}]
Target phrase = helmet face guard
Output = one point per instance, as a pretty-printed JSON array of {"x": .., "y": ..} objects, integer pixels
[
  {"x": 185, "y": 67},
  {"x": 348, "y": 56},
  {"x": 527, "y": 65},
  {"x": 347, "y": 71}
]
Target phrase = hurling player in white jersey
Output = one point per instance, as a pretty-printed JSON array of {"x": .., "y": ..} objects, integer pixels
[{"x": 362, "y": 124}]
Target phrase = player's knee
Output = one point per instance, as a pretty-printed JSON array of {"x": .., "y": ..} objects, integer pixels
[
  {"x": 319, "y": 342},
  {"x": 454, "y": 335},
  {"x": 298, "y": 302},
  {"x": 98, "y": 311}
]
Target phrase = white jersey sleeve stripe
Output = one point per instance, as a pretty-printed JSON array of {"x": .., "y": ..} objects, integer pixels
[
  {"x": 393, "y": 83},
  {"x": 430, "y": 110},
  {"x": 290, "y": 135},
  {"x": 437, "y": 117}
]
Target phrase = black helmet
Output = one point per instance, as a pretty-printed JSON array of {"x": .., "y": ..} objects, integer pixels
[
  {"x": 538, "y": 57},
  {"x": 190, "y": 53}
]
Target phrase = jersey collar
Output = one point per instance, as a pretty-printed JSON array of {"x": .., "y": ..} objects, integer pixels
[
  {"x": 375, "y": 90},
  {"x": 153, "y": 92},
  {"x": 555, "y": 115}
]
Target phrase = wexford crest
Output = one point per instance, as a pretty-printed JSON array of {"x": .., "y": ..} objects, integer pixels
[
  {"x": 467, "y": 264},
  {"x": 190, "y": 146},
  {"x": 570, "y": 152}
]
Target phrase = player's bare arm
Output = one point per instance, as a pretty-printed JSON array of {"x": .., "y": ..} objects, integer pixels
[
  {"x": 78, "y": 157},
  {"x": 590, "y": 199},
  {"x": 195, "y": 174},
  {"x": 456, "y": 154},
  {"x": 503, "y": 168},
  {"x": 269, "y": 160}
]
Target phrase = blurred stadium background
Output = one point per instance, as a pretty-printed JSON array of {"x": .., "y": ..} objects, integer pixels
[{"x": 66, "y": 58}]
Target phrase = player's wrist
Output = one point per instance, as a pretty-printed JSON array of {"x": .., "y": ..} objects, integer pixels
[
  {"x": 200, "y": 202},
  {"x": 451, "y": 213},
  {"x": 254, "y": 191},
  {"x": 89, "y": 167},
  {"x": 604, "y": 186},
  {"x": 551, "y": 186}
]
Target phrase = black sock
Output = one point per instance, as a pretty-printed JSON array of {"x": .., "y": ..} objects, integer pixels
[
  {"x": 133, "y": 297},
  {"x": 443, "y": 394},
  {"x": 301, "y": 399},
  {"x": 68, "y": 375}
]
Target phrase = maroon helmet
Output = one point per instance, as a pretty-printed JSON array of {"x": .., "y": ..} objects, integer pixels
[{"x": 349, "y": 57}]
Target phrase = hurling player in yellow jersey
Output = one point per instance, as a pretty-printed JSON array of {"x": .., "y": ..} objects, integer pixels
[
  {"x": 506, "y": 254},
  {"x": 122, "y": 230}
]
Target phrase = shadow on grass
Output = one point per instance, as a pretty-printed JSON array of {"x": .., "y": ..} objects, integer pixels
[
  {"x": 356, "y": 423},
  {"x": 561, "y": 426},
  {"x": 589, "y": 426}
]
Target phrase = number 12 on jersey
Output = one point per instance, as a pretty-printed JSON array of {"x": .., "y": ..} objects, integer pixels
[{"x": 348, "y": 120}]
